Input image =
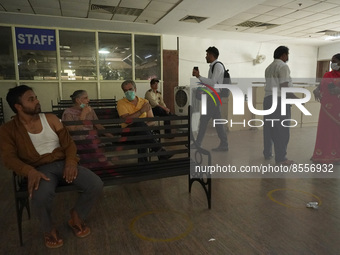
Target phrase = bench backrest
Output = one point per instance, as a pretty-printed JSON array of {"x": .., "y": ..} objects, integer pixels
[{"x": 120, "y": 152}]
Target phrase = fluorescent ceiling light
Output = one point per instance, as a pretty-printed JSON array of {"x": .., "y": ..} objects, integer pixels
[{"x": 104, "y": 52}]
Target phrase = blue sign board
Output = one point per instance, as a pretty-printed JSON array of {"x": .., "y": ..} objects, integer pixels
[{"x": 35, "y": 39}]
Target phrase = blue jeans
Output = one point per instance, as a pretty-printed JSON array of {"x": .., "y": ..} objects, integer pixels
[{"x": 87, "y": 182}]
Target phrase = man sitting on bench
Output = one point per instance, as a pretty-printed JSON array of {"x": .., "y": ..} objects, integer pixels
[
  {"x": 39, "y": 147},
  {"x": 131, "y": 107}
]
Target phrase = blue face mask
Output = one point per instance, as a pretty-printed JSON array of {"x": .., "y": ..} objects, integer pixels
[{"x": 130, "y": 95}]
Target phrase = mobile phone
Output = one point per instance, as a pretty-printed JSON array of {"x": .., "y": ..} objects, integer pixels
[{"x": 196, "y": 68}]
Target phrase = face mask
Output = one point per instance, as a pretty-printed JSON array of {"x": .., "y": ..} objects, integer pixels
[
  {"x": 335, "y": 66},
  {"x": 82, "y": 105},
  {"x": 130, "y": 95}
]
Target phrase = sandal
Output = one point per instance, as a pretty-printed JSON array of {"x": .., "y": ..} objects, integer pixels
[
  {"x": 79, "y": 231},
  {"x": 53, "y": 241}
]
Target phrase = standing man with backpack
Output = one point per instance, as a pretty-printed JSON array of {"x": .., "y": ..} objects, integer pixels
[{"x": 215, "y": 76}]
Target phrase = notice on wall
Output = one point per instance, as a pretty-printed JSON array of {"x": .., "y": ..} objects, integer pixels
[{"x": 35, "y": 39}]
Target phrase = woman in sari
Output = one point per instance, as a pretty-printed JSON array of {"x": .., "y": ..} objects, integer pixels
[
  {"x": 327, "y": 146},
  {"x": 82, "y": 111}
]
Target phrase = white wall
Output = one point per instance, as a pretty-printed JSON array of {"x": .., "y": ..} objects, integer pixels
[
  {"x": 238, "y": 56},
  {"x": 327, "y": 51}
]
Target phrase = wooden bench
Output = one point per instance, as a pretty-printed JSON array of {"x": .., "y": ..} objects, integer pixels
[{"x": 120, "y": 152}]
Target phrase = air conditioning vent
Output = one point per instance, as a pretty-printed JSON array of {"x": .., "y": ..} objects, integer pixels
[
  {"x": 193, "y": 19},
  {"x": 129, "y": 11},
  {"x": 103, "y": 8},
  {"x": 251, "y": 23}
]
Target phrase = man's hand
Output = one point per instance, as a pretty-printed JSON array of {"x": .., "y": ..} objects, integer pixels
[
  {"x": 34, "y": 177},
  {"x": 145, "y": 108},
  {"x": 317, "y": 94},
  {"x": 70, "y": 173}
]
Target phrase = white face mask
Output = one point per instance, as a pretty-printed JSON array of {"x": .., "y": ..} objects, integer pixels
[{"x": 335, "y": 66}]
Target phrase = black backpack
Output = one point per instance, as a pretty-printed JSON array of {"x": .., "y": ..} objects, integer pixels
[{"x": 226, "y": 80}]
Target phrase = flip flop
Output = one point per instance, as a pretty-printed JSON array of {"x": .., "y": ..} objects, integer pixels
[
  {"x": 81, "y": 231},
  {"x": 53, "y": 242}
]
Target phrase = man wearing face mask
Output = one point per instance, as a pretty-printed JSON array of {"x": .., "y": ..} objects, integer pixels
[
  {"x": 132, "y": 107},
  {"x": 277, "y": 75}
]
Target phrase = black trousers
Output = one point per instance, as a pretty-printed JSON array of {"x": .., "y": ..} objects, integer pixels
[
  {"x": 155, "y": 147},
  {"x": 213, "y": 112},
  {"x": 159, "y": 111},
  {"x": 274, "y": 132}
]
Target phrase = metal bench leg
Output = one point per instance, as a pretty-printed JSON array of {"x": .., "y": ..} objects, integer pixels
[
  {"x": 206, "y": 184},
  {"x": 21, "y": 203}
]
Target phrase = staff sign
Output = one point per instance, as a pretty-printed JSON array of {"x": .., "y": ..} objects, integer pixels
[{"x": 35, "y": 39}]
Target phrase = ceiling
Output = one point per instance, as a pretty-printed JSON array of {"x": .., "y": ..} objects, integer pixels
[{"x": 307, "y": 22}]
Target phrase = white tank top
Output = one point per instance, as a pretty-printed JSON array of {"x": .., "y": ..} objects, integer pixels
[{"x": 45, "y": 141}]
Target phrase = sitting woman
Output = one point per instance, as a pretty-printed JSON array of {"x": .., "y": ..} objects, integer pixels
[
  {"x": 82, "y": 111},
  {"x": 327, "y": 146}
]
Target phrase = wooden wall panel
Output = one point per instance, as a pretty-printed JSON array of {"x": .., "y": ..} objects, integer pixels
[{"x": 170, "y": 77}]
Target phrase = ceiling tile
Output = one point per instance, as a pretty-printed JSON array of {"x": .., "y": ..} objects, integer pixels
[
  {"x": 19, "y": 9},
  {"x": 317, "y": 16},
  {"x": 147, "y": 20},
  {"x": 279, "y": 12},
  {"x": 103, "y": 2},
  {"x": 331, "y": 19},
  {"x": 14, "y": 2},
  {"x": 121, "y": 17},
  {"x": 245, "y": 16},
  {"x": 276, "y": 3},
  {"x": 333, "y": 11},
  {"x": 260, "y": 9},
  {"x": 321, "y": 7},
  {"x": 333, "y": 1},
  {"x": 99, "y": 15},
  {"x": 264, "y": 18},
  {"x": 54, "y": 4},
  {"x": 231, "y": 22},
  {"x": 255, "y": 29},
  {"x": 75, "y": 13},
  {"x": 73, "y": 6},
  {"x": 299, "y": 22},
  {"x": 140, "y": 4},
  {"x": 298, "y": 14},
  {"x": 152, "y": 14},
  {"x": 159, "y": 6},
  {"x": 300, "y": 4},
  {"x": 47, "y": 11},
  {"x": 168, "y": 1}
]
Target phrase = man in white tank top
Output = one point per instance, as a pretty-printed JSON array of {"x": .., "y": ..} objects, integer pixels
[{"x": 37, "y": 146}]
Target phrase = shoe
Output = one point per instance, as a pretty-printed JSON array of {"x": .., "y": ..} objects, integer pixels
[
  {"x": 287, "y": 162},
  {"x": 164, "y": 157},
  {"x": 268, "y": 157},
  {"x": 53, "y": 242},
  {"x": 79, "y": 231},
  {"x": 221, "y": 148}
]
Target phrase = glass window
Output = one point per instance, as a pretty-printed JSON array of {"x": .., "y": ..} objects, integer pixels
[
  {"x": 7, "y": 71},
  {"x": 37, "y": 57},
  {"x": 114, "y": 56},
  {"x": 78, "y": 55},
  {"x": 147, "y": 57}
]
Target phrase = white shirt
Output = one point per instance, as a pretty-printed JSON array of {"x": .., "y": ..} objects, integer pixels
[
  {"x": 276, "y": 73},
  {"x": 215, "y": 77},
  {"x": 47, "y": 140}
]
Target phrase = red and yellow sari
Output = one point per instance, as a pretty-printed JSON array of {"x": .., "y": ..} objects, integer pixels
[{"x": 327, "y": 146}]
